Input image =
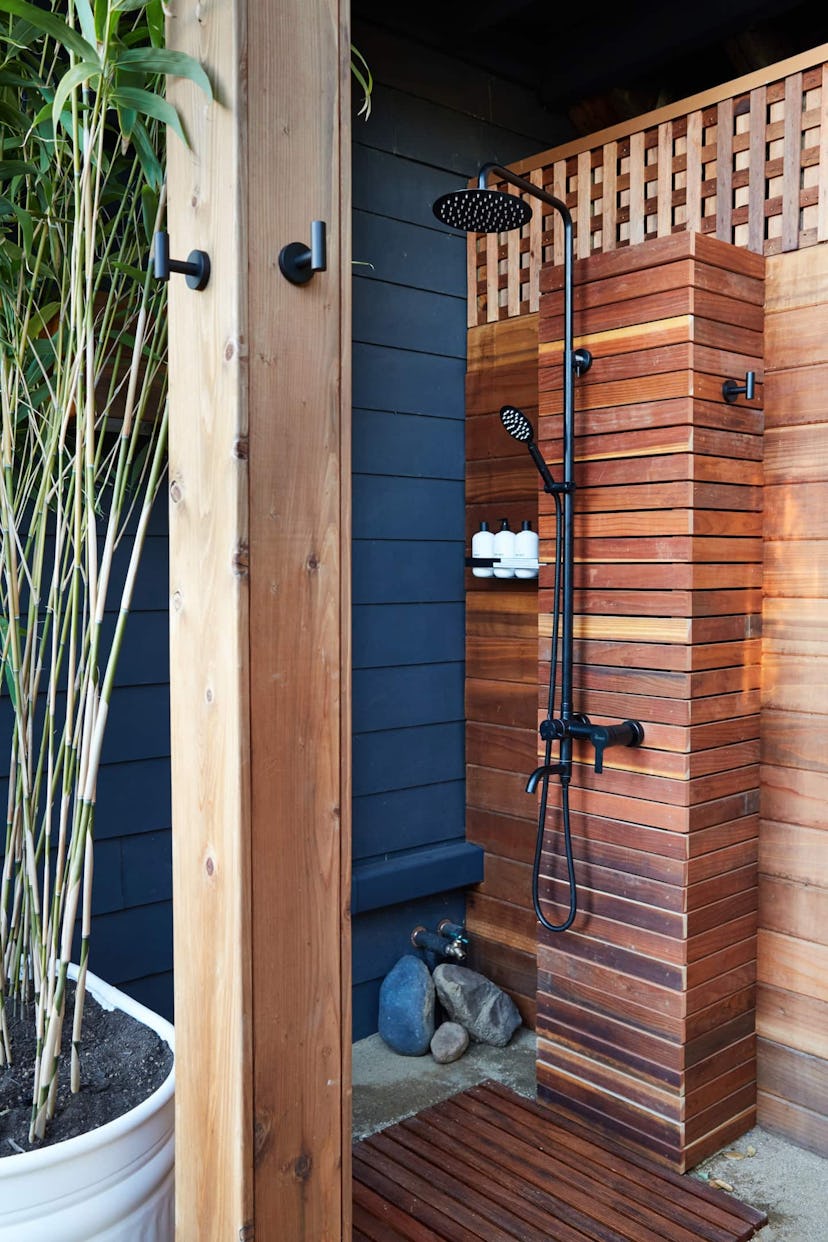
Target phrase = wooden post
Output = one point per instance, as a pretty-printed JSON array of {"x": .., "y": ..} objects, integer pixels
[{"x": 260, "y": 570}]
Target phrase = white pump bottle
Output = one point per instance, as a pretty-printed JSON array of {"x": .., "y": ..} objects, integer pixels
[
  {"x": 526, "y": 546},
  {"x": 482, "y": 546},
  {"x": 504, "y": 545}
]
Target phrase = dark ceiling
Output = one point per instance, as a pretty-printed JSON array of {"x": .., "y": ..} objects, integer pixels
[{"x": 601, "y": 67}]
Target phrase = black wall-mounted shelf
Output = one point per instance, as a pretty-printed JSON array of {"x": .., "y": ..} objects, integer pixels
[{"x": 503, "y": 562}]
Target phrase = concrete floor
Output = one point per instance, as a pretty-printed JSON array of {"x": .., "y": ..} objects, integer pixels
[{"x": 766, "y": 1171}]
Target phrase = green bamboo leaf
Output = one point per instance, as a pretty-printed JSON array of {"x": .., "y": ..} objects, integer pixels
[
  {"x": 148, "y": 104},
  {"x": 15, "y": 168},
  {"x": 43, "y": 115},
  {"x": 4, "y": 629},
  {"x": 164, "y": 60},
  {"x": 126, "y": 121},
  {"x": 149, "y": 209},
  {"x": 156, "y": 23},
  {"x": 52, "y": 26},
  {"x": 70, "y": 81},
  {"x": 22, "y": 35},
  {"x": 87, "y": 21},
  {"x": 150, "y": 164},
  {"x": 362, "y": 72},
  {"x": 24, "y": 219},
  {"x": 101, "y": 14},
  {"x": 134, "y": 273},
  {"x": 12, "y": 118}
]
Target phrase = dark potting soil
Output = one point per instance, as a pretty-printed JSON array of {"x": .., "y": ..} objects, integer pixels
[{"x": 122, "y": 1062}]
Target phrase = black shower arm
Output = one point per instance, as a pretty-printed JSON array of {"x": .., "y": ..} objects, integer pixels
[
  {"x": 520, "y": 183},
  {"x": 526, "y": 187}
]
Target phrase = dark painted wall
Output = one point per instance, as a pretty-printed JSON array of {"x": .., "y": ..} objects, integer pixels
[
  {"x": 132, "y": 933},
  {"x": 433, "y": 123},
  {"x": 132, "y": 889}
]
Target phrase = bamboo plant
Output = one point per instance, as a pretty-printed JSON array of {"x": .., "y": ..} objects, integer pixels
[{"x": 83, "y": 427}]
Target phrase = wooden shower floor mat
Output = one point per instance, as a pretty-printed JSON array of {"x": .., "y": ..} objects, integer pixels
[{"x": 491, "y": 1165}]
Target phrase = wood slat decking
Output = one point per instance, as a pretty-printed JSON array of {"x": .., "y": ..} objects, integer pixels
[{"x": 491, "y": 1165}]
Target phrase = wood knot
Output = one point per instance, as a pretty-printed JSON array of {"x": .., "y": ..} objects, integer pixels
[
  {"x": 175, "y": 492},
  {"x": 312, "y": 563},
  {"x": 302, "y": 1166},
  {"x": 209, "y": 866},
  {"x": 241, "y": 560},
  {"x": 262, "y": 1133},
  {"x": 241, "y": 448}
]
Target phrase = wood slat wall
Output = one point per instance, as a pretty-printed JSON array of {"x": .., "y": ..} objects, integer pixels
[
  {"x": 747, "y": 163},
  {"x": 501, "y": 664},
  {"x": 792, "y": 1007},
  {"x": 646, "y": 1007}
]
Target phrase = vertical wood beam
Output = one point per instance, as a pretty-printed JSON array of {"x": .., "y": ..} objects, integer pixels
[
  {"x": 260, "y": 567},
  {"x": 209, "y": 659},
  {"x": 298, "y": 568}
]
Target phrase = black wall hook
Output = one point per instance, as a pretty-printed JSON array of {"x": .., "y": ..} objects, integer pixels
[
  {"x": 732, "y": 388},
  {"x": 581, "y": 361},
  {"x": 298, "y": 262},
  {"x": 196, "y": 268}
]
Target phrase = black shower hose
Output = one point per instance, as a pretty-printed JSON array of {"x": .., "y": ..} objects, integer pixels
[{"x": 567, "y": 833}]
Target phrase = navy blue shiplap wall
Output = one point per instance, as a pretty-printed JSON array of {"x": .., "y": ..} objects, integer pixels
[
  {"x": 132, "y": 893},
  {"x": 132, "y": 889},
  {"x": 433, "y": 123}
]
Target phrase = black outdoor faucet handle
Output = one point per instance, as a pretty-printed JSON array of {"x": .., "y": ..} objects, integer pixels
[{"x": 630, "y": 733}]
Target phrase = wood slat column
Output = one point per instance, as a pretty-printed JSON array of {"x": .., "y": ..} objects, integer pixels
[
  {"x": 646, "y": 1006},
  {"x": 501, "y": 661}
]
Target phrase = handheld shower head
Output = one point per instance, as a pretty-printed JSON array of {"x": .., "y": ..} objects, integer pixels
[
  {"x": 519, "y": 428},
  {"x": 517, "y": 424},
  {"x": 482, "y": 210}
]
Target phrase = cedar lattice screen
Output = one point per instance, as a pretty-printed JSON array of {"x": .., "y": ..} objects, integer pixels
[{"x": 748, "y": 164}]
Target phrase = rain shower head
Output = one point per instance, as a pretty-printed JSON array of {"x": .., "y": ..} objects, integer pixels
[
  {"x": 517, "y": 424},
  {"x": 482, "y": 210}
]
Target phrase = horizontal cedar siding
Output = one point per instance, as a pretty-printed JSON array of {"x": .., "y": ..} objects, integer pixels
[
  {"x": 646, "y": 1007},
  {"x": 501, "y": 663}
]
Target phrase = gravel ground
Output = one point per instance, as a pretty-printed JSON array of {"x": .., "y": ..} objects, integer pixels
[{"x": 787, "y": 1182}]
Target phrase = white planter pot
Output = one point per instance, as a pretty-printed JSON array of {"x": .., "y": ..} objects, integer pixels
[{"x": 112, "y": 1184}]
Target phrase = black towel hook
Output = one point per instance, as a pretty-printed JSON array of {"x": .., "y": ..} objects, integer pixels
[{"x": 732, "y": 388}]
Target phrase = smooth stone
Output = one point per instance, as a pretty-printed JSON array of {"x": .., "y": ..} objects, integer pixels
[
  {"x": 406, "y": 1007},
  {"x": 449, "y": 1043},
  {"x": 484, "y": 1009}
]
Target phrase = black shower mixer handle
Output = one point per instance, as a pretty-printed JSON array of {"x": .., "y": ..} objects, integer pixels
[{"x": 629, "y": 733}]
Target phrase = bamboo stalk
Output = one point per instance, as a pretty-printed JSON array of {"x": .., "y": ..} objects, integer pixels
[{"x": 82, "y": 340}]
